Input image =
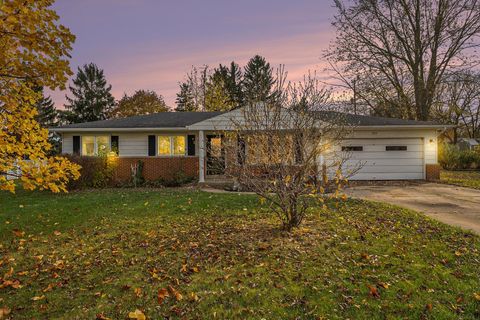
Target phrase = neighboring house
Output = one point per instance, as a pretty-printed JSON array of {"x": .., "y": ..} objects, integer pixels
[
  {"x": 468, "y": 144},
  {"x": 390, "y": 149}
]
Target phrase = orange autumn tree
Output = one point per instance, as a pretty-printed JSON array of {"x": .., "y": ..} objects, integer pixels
[{"x": 34, "y": 52}]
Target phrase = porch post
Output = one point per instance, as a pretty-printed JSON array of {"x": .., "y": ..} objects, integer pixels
[{"x": 201, "y": 156}]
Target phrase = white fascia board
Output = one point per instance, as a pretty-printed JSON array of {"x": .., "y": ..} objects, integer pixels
[
  {"x": 404, "y": 127},
  {"x": 115, "y": 129}
]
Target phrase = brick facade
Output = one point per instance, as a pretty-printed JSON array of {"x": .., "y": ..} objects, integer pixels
[
  {"x": 156, "y": 167},
  {"x": 432, "y": 172}
]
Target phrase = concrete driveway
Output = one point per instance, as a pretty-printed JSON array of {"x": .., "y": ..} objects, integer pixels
[{"x": 450, "y": 204}]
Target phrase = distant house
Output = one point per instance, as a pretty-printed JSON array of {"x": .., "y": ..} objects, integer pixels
[
  {"x": 391, "y": 149},
  {"x": 468, "y": 144}
]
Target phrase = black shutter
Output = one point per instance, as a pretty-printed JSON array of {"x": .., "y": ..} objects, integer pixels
[
  {"x": 298, "y": 154},
  {"x": 191, "y": 145},
  {"x": 152, "y": 146},
  {"x": 241, "y": 151},
  {"x": 76, "y": 145},
  {"x": 114, "y": 144}
]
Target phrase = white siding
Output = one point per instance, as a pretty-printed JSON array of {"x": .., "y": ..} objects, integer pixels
[
  {"x": 67, "y": 143},
  {"x": 133, "y": 144}
]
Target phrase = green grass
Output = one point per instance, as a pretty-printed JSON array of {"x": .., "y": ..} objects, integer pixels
[
  {"x": 469, "y": 179},
  {"x": 84, "y": 255}
]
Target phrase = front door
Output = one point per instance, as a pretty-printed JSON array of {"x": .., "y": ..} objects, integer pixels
[{"x": 215, "y": 155}]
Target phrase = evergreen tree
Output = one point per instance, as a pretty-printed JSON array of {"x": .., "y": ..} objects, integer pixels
[
  {"x": 258, "y": 80},
  {"x": 185, "y": 100},
  {"x": 47, "y": 113},
  {"x": 141, "y": 102},
  {"x": 233, "y": 78},
  {"x": 91, "y": 99},
  {"x": 217, "y": 97}
]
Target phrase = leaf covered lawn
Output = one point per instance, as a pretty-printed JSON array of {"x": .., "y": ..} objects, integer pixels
[
  {"x": 469, "y": 179},
  {"x": 185, "y": 254}
]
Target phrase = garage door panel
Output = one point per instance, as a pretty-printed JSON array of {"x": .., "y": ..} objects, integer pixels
[
  {"x": 381, "y": 148},
  {"x": 394, "y": 141},
  {"x": 385, "y": 169},
  {"x": 361, "y": 155},
  {"x": 386, "y": 162},
  {"x": 387, "y": 176},
  {"x": 375, "y": 163}
]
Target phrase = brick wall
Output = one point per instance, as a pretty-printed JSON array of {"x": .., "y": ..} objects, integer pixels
[
  {"x": 432, "y": 172},
  {"x": 156, "y": 167}
]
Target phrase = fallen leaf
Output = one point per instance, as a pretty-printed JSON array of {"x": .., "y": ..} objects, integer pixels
[
  {"x": 18, "y": 233},
  {"x": 175, "y": 293},
  {"x": 138, "y": 292},
  {"x": 4, "y": 311},
  {"x": 137, "y": 314},
  {"x": 49, "y": 287},
  {"x": 101, "y": 316},
  {"x": 37, "y": 298},
  {"x": 429, "y": 307},
  {"x": 57, "y": 233},
  {"x": 162, "y": 294},
  {"x": 373, "y": 291},
  {"x": 476, "y": 296},
  {"x": 193, "y": 296},
  {"x": 384, "y": 285}
]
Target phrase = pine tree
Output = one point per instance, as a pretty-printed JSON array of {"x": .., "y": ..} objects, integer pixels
[
  {"x": 233, "y": 82},
  {"x": 47, "y": 113},
  {"x": 185, "y": 100},
  {"x": 258, "y": 80},
  {"x": 91, "y": 99},
  {"x": 217, "y": 97}
]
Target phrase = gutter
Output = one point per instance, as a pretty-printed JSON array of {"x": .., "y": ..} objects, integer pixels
[{"x": 116, "y": 129}]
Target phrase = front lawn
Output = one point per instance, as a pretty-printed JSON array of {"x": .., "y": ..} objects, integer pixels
[
  {"x": 179, "y": 254},
  {"x": 469, "y": 179}
]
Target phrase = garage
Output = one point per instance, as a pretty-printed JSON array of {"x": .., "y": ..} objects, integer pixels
[{"x": 384, "y": 159}]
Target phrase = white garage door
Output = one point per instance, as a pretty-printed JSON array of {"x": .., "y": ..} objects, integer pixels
[{"x": 385, "y": 159}]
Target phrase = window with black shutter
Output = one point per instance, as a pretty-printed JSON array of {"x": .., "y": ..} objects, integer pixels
[
  {"x": 152, "y": 148},
  {"x": 241, "y": 151},
  {"x": 76, "y": 145},
  {"x": 114, "y": 144},
  {"x": 191, "y": 145}
]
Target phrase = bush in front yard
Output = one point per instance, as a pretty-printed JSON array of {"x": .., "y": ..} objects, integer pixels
[
  {"x": 451, "y": 157},
  {"x": 96, "y": 172}
]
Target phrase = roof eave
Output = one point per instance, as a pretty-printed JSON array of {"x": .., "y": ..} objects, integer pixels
[{"x": 135, "y": 129}]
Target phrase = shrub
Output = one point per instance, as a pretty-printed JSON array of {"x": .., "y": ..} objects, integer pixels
[
  {"x": 452, "y": 158},
  {"x": 178, "y": 179},
  {"x": 137, "y": 174},
  {"x": 96, "y": 172}
]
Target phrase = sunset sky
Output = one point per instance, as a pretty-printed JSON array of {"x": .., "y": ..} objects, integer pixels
[{"x": 152, "y": 44}]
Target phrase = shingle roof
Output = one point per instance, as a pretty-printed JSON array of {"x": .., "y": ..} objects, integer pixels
[
  {"x": 154, "y": 120},
  {"x": 364, "y": 120},
  {"x": 184, "y": 119}
]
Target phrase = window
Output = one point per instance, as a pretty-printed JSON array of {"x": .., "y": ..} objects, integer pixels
[
  {"x": 102, "y": 145},
  {"x": 396, "y": 148},
  {"x": 179, "y": 146},
  {"x": 88, "y": 146},
  {"x": 164, "y": 146},
  {"x": 95, "y": 145},
  {"x": 171, "y": 145},
  {"x": 352, "y": 148}
]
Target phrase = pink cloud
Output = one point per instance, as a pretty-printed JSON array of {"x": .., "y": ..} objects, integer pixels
[{"x": 160, "y": 67}]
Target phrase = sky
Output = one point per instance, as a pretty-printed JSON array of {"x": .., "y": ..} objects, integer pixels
[{"x": 152, "y": 44}]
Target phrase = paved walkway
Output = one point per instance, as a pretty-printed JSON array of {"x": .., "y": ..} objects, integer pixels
[{"x": 450, "y": 204}]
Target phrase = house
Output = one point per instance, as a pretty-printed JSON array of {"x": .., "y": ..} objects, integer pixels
[
  {"x": 468, "y": 144},
  {"x": 390, "y": 149}
]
